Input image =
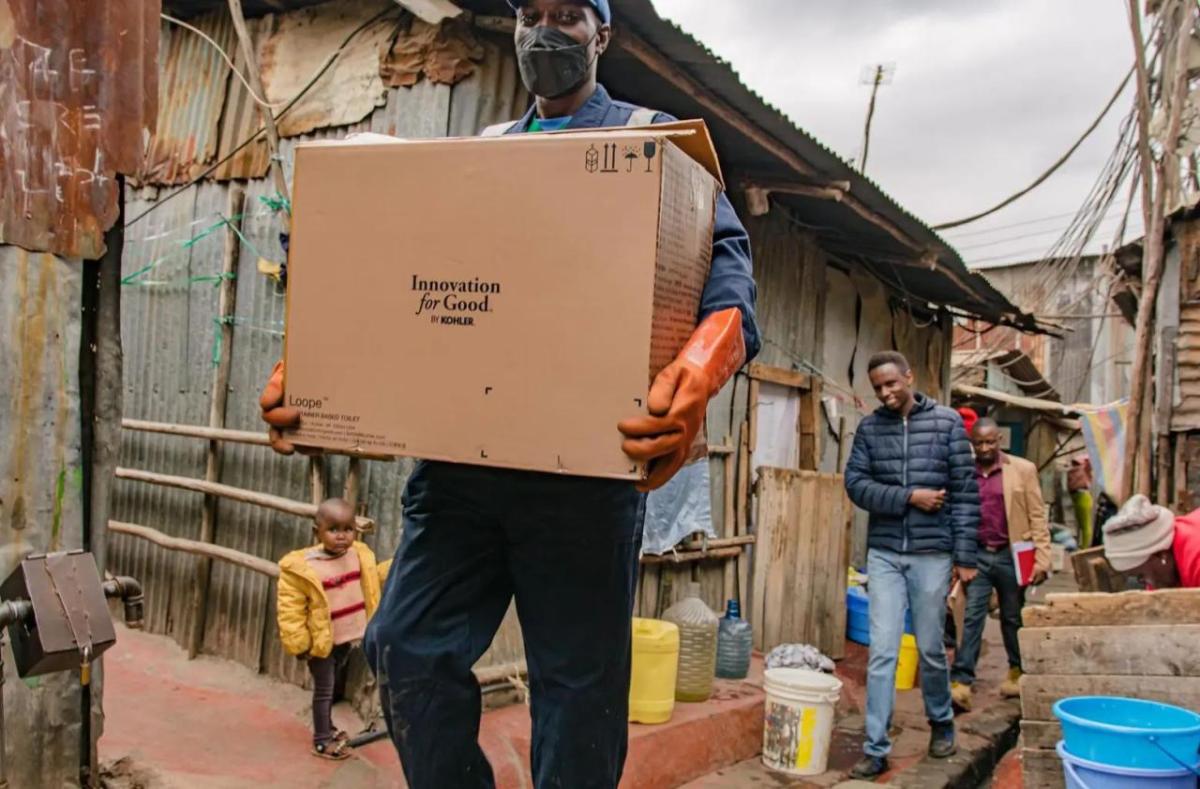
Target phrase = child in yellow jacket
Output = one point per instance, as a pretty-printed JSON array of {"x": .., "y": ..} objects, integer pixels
[{"x": 326, "y": 594}]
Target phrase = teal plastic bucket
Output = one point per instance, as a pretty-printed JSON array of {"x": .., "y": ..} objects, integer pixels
[
  {"x": 1084, "y": 774},
  {"x": 1130, "y": 732}
]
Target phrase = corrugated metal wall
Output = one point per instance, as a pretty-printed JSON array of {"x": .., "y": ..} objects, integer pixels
[
  {"x": 169, "y": 324},
  {"x": 40, "y": 485}
]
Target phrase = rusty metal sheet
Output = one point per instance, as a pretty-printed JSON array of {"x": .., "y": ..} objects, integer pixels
[
  {"x": 41, "y": 477},
  {"x": 78, "y": 95},
  {"x": 445, "y": 53},
  {"x": 192, "y": 86},
  {"x": 290, "y": 48},
  {"x": 351, "y": 89}
]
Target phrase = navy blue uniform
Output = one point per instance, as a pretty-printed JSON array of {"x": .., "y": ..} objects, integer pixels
[{"x": 565, "y": 548}]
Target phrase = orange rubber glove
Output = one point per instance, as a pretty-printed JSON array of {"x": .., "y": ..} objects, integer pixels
[
  {"x": 679, "y": 397},
  {"x": 276, "y": 414}
]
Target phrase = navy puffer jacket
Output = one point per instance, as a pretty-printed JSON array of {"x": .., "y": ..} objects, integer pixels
[{"x": 892, "y": 456}]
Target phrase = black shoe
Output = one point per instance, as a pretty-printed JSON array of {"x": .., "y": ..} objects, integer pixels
[
  {"x": 869, "y": 767},
  {"x": 941, "y": 741}
]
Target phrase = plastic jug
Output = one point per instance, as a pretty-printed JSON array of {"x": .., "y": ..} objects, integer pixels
[
  {"x": 655, "y": 664},
  {"x": 697, "y": 645},
  {"x": 906, "y": 663},
  {"x": 735, "y": 639}
]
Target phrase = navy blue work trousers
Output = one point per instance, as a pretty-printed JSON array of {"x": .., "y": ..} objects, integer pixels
[{"x": 566, "y": 549}]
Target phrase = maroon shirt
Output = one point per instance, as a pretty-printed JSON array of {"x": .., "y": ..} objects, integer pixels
[{"x": 993, "y": 520}]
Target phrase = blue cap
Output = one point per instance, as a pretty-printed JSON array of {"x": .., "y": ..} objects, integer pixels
[{"x": 602, "y": 8}]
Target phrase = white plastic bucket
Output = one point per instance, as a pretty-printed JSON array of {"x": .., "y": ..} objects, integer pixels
[{"x": 798, "y": 723}]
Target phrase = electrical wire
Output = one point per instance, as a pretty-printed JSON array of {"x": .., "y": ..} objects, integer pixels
[
  {"x": 1049, "y": 172},
  {"x": 329, "y": 61},
  {"x": 259, "y": 100},
  {"x": 986, "y": 230}
]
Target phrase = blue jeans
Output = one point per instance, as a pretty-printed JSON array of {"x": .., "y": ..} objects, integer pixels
[
  {"x": 921, "y": 581},
  {"x": 566, "y": 549},
  {"x": 996, "y": 571}
]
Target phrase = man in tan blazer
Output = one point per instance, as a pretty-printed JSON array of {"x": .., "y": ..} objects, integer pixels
[{"x": 1011, "y": 510}]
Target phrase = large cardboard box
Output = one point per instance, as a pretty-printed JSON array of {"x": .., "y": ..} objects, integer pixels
[{"x": 498, "y": 301}]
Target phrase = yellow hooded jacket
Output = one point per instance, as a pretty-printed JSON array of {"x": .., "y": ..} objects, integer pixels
[{"x": 302, "y": 609}]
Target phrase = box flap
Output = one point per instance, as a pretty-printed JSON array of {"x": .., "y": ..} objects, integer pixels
[{"x": 690, "y": 136}]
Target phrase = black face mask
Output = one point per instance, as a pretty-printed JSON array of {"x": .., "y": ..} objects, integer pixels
[{"x": 552, "y": 63}]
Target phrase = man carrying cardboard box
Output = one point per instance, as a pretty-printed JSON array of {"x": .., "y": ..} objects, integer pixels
[{"x": 566, "y": 548}]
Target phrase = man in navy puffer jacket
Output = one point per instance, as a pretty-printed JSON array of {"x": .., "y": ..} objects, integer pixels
[{"x": 912, "y": 469}]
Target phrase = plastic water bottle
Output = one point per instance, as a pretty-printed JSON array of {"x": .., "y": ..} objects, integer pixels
[
  {"x": 735, "y": 640},
  {"x": 697, "y": 645}
]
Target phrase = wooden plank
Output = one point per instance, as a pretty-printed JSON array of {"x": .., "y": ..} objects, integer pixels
[
  {"x": 1093, "y": 573},
  {"x": 779, "y": 375},
  {"x": 771, "y": 524},
  {"x": 1040, "y": 734},
  {"x": 810, "y": 427},
  {"x": 1040, "y": 691},
  {"x": 753, "y": 418},
  {"x": 1139, "y": 650},
  {"x": 822, "y": 548},
  {"x": 1163, "y": 607},
  {"x": 1041, "y": 769},
  {"x": 836, "y": 609},
  {"x": 799, "y": 570}
]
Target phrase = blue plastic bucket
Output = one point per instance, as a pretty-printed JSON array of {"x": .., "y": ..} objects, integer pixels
[
  {"x": 1129, "y": 732},
  {"x": 1084, "y": 774},
  {"x": 858, "y": 616}
]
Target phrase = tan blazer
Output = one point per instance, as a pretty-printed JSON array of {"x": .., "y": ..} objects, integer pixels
[{"x": 1024, "y": 508}]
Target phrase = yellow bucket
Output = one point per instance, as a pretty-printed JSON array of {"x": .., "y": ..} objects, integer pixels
[
  {"x": 906, "y": 666},
  {"x": 655, "y": 663}
]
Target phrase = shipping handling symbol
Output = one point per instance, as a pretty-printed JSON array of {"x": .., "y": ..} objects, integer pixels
[
  {"x": 631, "y": 155},
  {"x": 610, "y": 158},
  {"x": 648, "y": 150},
  {"x": 591, "y": 159}
]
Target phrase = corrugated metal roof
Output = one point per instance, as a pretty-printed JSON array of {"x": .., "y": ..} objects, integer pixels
[
  {"x": 78, "y": 95},
  {"x": 1186, "y": 414},
  {"x": 1010, "y": 369},
  {"x": 840, "y": 229}
]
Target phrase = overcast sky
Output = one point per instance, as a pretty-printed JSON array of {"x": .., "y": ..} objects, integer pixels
[{"x": 986, "y": 95}]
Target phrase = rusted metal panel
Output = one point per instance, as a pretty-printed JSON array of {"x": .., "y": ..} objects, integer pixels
[
  {"x": 1186, "y": 415},
  {"x": 77, "y": 99},
  {"x": 191, "y": 94},
  {"x": 41, "y": 480}
]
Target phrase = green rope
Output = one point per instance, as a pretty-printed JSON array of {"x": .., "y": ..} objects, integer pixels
[
  {"x": 276, "y": 202},
  {"x": 233, "y": 320}
]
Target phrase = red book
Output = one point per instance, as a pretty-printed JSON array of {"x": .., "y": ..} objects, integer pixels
[{"x": 1023, "y": 557}]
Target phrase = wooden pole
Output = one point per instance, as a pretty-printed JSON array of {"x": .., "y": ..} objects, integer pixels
[
  {"x": 681, "y": 557},
  {"x": 729, "y": 520},
  {"x": 1152, "y": 258},
  {"x": 1162, "y": 416},
  {"x": 353, "y": 482},
  {"x": 278, "y": 503},
  {"x": 862, "y": 166},
  {"x": 226, "y": 308},
  {"x": 268, "y": 116},
  {"x": 196, "y": 431},
  {"x": 196, "y": 548}
]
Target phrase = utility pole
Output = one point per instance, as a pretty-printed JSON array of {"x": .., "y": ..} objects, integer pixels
[
  {"x": 1177, "y": 21},
  {"x": 875, "y": 75}
]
